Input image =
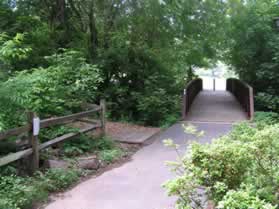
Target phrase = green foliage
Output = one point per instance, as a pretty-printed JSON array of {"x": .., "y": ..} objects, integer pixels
[
  {"x": 79, "y": 145},
  {"x": 111, "y": 155},
  {"x": 142, "y": 88},
  {"x": 22, "y": 192},
  {"x": 239, "y": 170},
  {"x": 244, "y": 200},
  {"x": 56, "y": 131},
  {"x": 13, "y": 50},
  {"x": 266, "y": 118},
  {"x": 105, "y": 148},
  {"x": 253, "y": 48},
  {"x": 58, "y": 179},
  {"x": 143, "y": 74},
  {"x": 59, "y": 89},
  {"x": 266, "y": 101}
]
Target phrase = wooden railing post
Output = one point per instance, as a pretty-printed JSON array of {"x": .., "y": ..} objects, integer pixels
[
  {"x": 251, "y": 103},
  {"x": 34, "y": 143},
  {"x": 103, "y": 116}
]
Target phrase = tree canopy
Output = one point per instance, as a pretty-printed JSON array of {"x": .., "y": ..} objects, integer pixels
[{"x": 145, "y": 50}]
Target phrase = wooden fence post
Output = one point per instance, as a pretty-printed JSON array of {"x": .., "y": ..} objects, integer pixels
[
  {"x": 103, "y": 116},
  {"x": 34, "y": 142},
  {"x": 251, "y": 103}
]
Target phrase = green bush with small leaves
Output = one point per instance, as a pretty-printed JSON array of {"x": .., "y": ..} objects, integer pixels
[
  {"x": 110, "y": 155},
  {"x": 243, "y": 199},
  {"x": 266, "y": 118},
  {"x": 22, "y": 192},
  {"x": 58, "y": 89},
  {"x": 239, "y": 170}
]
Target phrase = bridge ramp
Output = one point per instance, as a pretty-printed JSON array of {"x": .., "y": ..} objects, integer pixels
[{"x": 216, "y": 106}]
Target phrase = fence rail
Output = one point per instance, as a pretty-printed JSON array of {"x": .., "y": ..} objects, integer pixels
[
  {"x": 190, "y": 92},
  {"x": 33, "y": 138},
  {"x": 243, "y": 93}
]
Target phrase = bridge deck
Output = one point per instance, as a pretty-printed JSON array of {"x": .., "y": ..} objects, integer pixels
[{"x": 216, "y": 106}]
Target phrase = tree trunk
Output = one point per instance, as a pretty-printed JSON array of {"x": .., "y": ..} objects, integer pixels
[
  {"x": 61, "y": 13},
  {"x": 190, "y": 74},
  {"x": 93, "y": 36}
]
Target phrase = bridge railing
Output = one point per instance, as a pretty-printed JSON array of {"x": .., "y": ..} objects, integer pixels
[
  {"x": 243, "y": 93},
  {"x": 191, "y": 90}
]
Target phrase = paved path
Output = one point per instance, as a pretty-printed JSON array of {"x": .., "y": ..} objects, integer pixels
[
  {"x": 216, "y": 106},
  {"x": 136, "y": 184}
]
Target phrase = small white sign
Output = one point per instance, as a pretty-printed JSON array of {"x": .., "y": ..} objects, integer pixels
[{"x": 36, "y": 126}]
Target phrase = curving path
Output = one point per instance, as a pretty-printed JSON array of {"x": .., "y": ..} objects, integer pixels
[{"x": 137, "y": 184}]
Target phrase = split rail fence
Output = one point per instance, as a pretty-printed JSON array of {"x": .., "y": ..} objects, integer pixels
[{"x": 34, "y": 124}]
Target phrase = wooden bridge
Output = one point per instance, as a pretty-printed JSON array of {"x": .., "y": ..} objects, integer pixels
[{"x": 233, "y": 105}]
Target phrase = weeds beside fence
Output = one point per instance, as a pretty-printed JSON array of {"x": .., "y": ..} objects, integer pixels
[{"x": 34, "y": 125}]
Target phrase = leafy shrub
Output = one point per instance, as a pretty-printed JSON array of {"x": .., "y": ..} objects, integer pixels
[
  {"x": 110, "y": 155},
  {"x": 138, "y": 87},
  {"x": 239, "y": 170},
  {"x": 266, "y": 118},
  {"x": 13, "y": 50},
  {"x": 105, "y": 148},
  {"x": 14, "y": 192},
  {"x": 84, "y": 143},
  {"x": 267, "y": 102},
  {"x": 58, "y": 179},
  {"x": 47, "y": 134},
  {"x": 253, "y": 51},
  {"x": 22, "y": 192},
  {"x": 244, "y": 200},
  {"x": 78, "y": 145},
  {"x": 59, "y": 89}
]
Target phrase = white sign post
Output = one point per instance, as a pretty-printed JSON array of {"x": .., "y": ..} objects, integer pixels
[{"x": 36, "y": 126}]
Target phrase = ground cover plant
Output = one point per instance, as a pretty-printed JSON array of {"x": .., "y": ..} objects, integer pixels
[
  {"x": 20, "y": 191},
  {"x": 238, "y": 170}
]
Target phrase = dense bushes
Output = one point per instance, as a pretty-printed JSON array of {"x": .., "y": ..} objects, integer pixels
[
  {"x": 138, "y": 87},
  {"x": 22, "y": 192},
  {"x": 135, "y": 85},
  {"x": 239, "y": 170},
  {"x": 267, "y": 102},
  {"x": 143, "y": 66},
  {"x": 59, "y": 89},
  {"x": 253, "y": 49}
]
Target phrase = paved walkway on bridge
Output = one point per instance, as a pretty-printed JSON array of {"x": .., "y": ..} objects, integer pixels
[
  {"x": 137, "y": 184},
  {"x": 216, "y": 106}
]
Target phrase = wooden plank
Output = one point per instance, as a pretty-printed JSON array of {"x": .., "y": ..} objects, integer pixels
[
  {"x": 67, "y": 137},
  {"x": 14, "y": 132},
  {"x": 91, "y": 121},
  {"x": 15, "y": 156},
  {"x": 66, "y": 119}
]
